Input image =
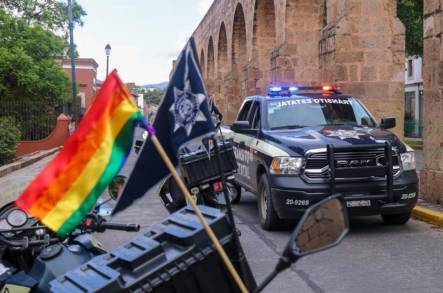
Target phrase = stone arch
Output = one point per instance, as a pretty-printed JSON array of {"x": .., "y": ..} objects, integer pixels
[
  {"x": 263, "y": 42},
  {"x": 222, "y": 52},
  {"x": 211, "y": 60},
  {"x": 239, "y": 53},
  {"x": 202, "y": 63},
  {"x": 236, "y": 88},
  {"x": 222, "y": 68}
]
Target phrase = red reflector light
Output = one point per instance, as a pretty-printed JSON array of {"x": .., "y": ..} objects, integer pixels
[
  {"x": 217, "y": 186},
  {"x": 328, "y": 88}
]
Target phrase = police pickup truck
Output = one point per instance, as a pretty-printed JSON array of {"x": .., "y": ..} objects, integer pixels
[{"x": 297, "y": 145}]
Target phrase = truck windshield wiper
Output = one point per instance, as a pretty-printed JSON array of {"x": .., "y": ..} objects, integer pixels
[
  {"x": 288, "y": 127},
  {"x": 335, "y": 124}
]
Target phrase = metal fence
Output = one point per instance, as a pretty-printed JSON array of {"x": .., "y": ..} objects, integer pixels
[{"x": 35, "y": 119}]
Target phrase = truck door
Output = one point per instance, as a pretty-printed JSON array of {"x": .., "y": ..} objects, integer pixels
[
  {"x": 243, "y": 142},
  {"x": 252, "y": 142}
]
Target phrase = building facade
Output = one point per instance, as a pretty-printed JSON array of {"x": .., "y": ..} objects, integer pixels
[
  {"x": 86, "y": 76},
  {"x": 414, "y": 97}
]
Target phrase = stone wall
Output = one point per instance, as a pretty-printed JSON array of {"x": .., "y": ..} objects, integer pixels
[
  {"x": 253, "y": 43},
  {"x": 362, "y": 49},
  {"x": 56, "y": 138},
  {"x": 432, "y": 175}
]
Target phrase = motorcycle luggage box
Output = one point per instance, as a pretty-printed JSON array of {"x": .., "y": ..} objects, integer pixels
[
  {"x": 175, "y": 256},
  {"x": 199, "y": 168}
]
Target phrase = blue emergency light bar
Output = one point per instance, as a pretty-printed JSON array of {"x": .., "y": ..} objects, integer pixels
[{"x": 294, "y": 89}]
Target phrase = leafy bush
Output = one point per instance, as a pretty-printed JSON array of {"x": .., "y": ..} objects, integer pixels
[{"x": 9, "y": 135}]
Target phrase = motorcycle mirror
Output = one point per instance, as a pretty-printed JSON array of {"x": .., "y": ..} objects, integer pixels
[
  {"x": 322, "y": 226},
  {"x": 115, "y": 188},
  {"x": 104, "y": 210}
]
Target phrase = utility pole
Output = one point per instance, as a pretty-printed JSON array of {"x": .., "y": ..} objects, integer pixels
[{"x": 75, "y": 108}]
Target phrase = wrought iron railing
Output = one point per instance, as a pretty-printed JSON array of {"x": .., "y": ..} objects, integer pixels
[
  {"x": 36, "y": 119},
  {"x": 413, "y": 128}
]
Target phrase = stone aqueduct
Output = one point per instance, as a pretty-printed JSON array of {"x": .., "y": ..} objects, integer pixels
[{"x": 244, "y": 45}]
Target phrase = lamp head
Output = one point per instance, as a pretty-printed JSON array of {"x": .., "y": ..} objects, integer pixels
[{"x": 108, "y": 50}]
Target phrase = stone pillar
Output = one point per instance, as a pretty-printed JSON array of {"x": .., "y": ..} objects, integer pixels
[
  {"x": 296, "y": 61},
  {"x": 210, "y": 86},
  {"x": 254, "y": 80},
  {"x": 432, "y": 175},
  {"x": 363, "y": 50},
  {"x": 283, "y": 65},
  {"x": 232, "y": 88},
  {"x": 219, "y": 94}
]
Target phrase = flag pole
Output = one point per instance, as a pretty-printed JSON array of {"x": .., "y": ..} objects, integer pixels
[{"x": 191, "y": 201}]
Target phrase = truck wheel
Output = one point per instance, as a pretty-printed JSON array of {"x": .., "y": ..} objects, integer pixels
[
  {"x": 396, "y": 219},
  {"x": 235, "y": 191},
  {"x": 269, "y": 219}
]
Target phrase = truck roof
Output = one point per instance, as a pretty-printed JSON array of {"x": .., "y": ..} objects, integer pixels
[{"x": 299, "y": 96}]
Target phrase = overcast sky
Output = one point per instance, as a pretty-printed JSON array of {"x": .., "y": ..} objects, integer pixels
[{"x": 145, "y": 35}]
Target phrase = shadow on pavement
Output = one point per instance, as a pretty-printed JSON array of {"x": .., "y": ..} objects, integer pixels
[{"x": 246, "y": 212}]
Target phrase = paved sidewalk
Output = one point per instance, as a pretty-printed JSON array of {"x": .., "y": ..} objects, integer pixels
[{"x": 12, "y": 184}]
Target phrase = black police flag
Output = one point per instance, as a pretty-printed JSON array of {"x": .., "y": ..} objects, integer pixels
[{"x": 182, "y": 119}]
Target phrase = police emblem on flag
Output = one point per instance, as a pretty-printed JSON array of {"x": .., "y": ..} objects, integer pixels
[{"x": 186, "y": 108}]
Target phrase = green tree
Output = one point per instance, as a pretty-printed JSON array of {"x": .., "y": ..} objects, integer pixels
[
  {"x": 410, "y": 13},
  {"x": 154, "y": 96},
  {"x": 9, "y": 134},
  {"x": 49, "y": 14},
  {"x": 32, "y": 82}
]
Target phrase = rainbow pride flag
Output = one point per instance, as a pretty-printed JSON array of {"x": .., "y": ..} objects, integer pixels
[{"x": 69, "y": 186}]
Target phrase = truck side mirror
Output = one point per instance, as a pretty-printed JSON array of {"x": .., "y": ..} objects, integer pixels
[
  {"x": 388, "y": 122},
  {"x": 240, "y": 126}
]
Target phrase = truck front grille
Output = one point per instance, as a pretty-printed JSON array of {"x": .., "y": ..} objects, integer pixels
[{"x": 317, "y": 164}]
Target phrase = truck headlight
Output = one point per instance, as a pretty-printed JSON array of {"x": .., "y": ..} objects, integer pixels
[
  {"x": 286, "y": 165},
  {"x": 408, "y": 161}
]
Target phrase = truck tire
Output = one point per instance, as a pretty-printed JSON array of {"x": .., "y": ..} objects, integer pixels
[
  {"x": 269, "y": 219},
  {"x": 396, "y": 219}
]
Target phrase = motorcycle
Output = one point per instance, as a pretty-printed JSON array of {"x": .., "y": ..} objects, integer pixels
[
  {"x": 200, "y": 171},
  {"x": 31, "y": 255},
  {"x": 176, "y": 255}
]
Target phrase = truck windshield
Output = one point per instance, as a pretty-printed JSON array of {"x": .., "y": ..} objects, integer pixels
[{"x": 310, "y": 112}]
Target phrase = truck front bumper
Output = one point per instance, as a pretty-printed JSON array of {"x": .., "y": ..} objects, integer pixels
[{"x": 292, "y": 195}]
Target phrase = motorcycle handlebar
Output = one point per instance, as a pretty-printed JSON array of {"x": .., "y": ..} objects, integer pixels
[
  {"x": 120, "y": 227},
  {"x": 25, "y": 242}
]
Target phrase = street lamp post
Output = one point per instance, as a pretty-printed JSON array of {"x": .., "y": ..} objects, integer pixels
[
  {"x": 65, "y": 57},
  {"x": 72, "y": 55},
  {"x": 108, "y": 52}
]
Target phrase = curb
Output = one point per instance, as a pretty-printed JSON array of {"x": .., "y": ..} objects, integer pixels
[
  {"x": 26, "y": 161},
  {"x": 428, "y": 215},
  {"x": 417, "y": 147}
]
